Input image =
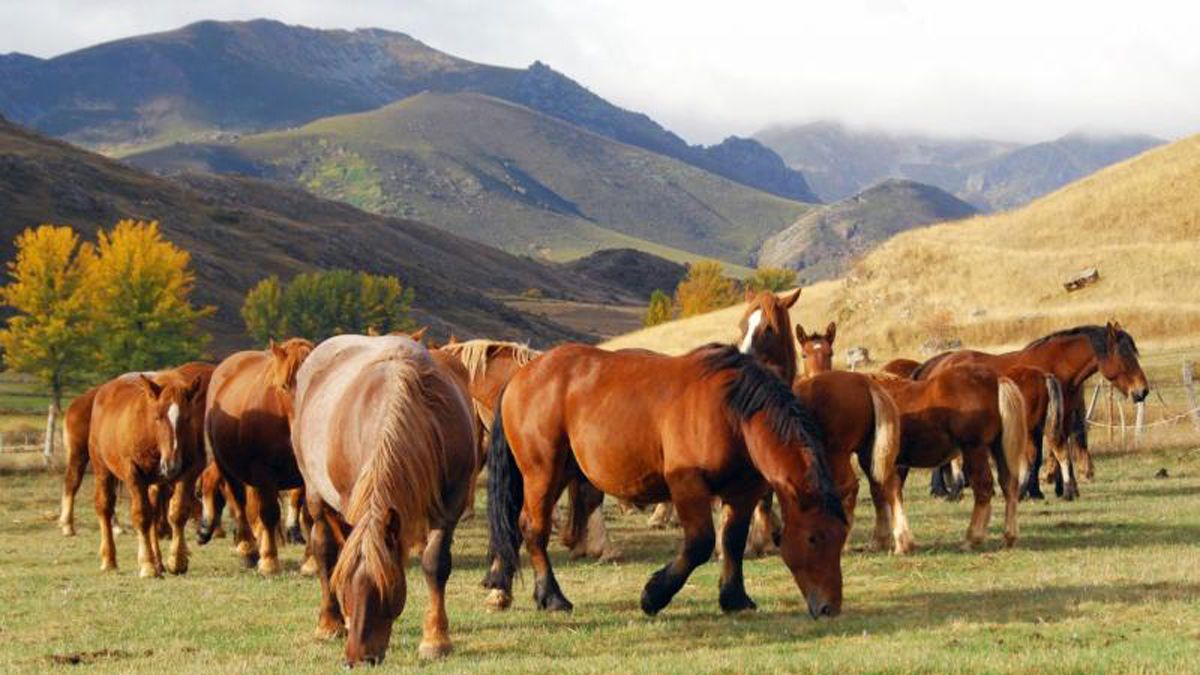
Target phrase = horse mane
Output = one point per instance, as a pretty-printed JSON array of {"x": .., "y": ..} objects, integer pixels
[
  {"x": 1097, "y": 336},
  {"x": 756, "y": 389},
  {"x": 402, "y": 477},
  {"x": 474, "y": 354}
]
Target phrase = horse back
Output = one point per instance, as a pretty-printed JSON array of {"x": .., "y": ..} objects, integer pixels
[
  {"x": 121, "y": 433},
  {"x": 245, "y": 421}
]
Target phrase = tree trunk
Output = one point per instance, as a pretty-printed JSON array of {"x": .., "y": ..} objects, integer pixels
[{"x": 51, "y": 425}]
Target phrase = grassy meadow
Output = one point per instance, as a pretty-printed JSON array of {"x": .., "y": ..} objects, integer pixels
[{"x": 1108, "y": 583}]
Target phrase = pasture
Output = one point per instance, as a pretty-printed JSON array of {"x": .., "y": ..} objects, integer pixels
[{"x": 1110, "y": 582}]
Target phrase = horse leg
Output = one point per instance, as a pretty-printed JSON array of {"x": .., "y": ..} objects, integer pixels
[
  {"x": 330, "y": 623},
  {"x": 436, "y": 563},
  {"x": 937, "y": 484},
  {"x": 763, "y": 527},
  {"x": 979, "y": 473},
  {"x": 594, "y": 542},
  {"x": 106, "y": 501},
  {"x": 737, "y": 512},
  {"x": 180, "y": 508},
  {"x": 295, "y": 533},
  {"x": 72, "y": 478},
  {"x": 541, "y": 493},
  {"x": 141, "y": 511},
  {"x": 692, "y": 501},
  {"x": 310, "y": 567},
  {"x": 1011, "y": 491},
  {"x": 661, "y": 517},
  {"x": 263, "y": 505},
  {"x": 243, "y": 537}
]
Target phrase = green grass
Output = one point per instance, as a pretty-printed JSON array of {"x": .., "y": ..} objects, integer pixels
[{"x": 1109, "y": 583}]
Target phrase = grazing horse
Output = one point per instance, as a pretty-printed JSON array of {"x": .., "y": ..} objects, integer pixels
[
  {"x": 1072, "y": 355},
  {"x": 385, "y": 440},
  {"x": 246, "y": 431},
  {"x": 972, "y": 411},
  {"x": 76, "y": 430},
  {"x": 715, "y": 423},
  {"x": 147, "y": 432}
]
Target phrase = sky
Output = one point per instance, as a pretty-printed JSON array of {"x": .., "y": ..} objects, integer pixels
[{"x": 1016, "y": 70}]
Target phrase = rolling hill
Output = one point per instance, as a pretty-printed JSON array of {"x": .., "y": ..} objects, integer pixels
[
  {"x": 212, "y": 79},
  {"x": 991, "y": 175},
  {"x": 504, "y": 175},
  {"x": 822, "y": 243},
  {"x": 240, "y": 230},
  {"x": 997, "y": 281}
]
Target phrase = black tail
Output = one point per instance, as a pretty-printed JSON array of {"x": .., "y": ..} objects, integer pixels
[{"x": 506, "y": 496}]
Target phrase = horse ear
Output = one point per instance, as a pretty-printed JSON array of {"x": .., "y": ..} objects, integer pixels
[
  {"x": 801, "y": 336},
  {"x": 453, "y": 339},
  {"x": 153, "y": 389},
  {"x": 277, "y": 349},
  {"x": 750, "y": 295},
  {"x": 419, "y": 334},
  {"x": 791, "y": 298},
  {"x": 831, "y": 332}
]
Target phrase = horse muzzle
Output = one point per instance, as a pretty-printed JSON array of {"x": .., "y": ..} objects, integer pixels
[
  {"x": 1140, "y": 395},
  {"x": 819, "y": 608},
  {"x": 204, "y": 533},
  {"x": 170, "y": 470}
]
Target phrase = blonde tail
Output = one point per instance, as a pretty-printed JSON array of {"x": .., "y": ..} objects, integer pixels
[
  {"x": 1014, "y": 428},
  {"x": 886, "y": 448}
]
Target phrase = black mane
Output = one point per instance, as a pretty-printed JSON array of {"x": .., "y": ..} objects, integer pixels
[
  {"x": 756, "y": 389},
  {"x": 1098, "y": 336}
]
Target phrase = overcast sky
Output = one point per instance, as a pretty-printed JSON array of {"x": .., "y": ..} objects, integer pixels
[{"x": 1016, "y": 69}]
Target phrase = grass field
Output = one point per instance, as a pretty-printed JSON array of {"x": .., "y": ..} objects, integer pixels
[{"x": 1109, "y": 583}]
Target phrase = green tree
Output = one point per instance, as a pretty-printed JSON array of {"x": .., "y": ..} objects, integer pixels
[
  {"x": 705, "y": 289},
  {"x": 140, "y": 290},
  {"x": 318, "y": 305},
  {"x": 660, "y": 309},
  {"x": 773, "y": 279},
  {"x": 50, "y": 334}
]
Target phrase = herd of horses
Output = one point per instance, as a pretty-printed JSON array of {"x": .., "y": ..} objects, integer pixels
[{"x": 376, "y": 442}]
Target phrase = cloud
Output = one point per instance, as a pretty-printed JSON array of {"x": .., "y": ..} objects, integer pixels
[{"x": 1024, "y": 70}]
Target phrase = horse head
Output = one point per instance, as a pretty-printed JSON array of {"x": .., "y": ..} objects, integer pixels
[
  {"x": 286, "y": 359},
  {"x": 816, "y": 349},
  {"x": 766, "y": 334},
  {"x": 1118, "y": 363},
  {"x": 370, "y": 586},
  {"x": 172, "y": 405}
]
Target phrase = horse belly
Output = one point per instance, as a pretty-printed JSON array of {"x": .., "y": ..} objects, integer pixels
[{"x": 624, "y": 465}]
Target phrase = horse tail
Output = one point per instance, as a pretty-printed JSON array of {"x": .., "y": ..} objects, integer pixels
[
  {"x": 885, "y": 449},
  {"x": 400, "y": 485},
  {"x": 1055, "y": 413},
  {"x": 1014, "y": 429},
  {"x": 506, "y": 494}
]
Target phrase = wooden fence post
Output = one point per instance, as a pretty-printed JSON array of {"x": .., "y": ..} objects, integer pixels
[
  {"x": 1189, "y": 383},
  {"x": 1140, "y": 421},
  {"x": 1095, "y": 397},
  {"x": 1112, "y": 418},
  {"x": 48, "y": 448}
]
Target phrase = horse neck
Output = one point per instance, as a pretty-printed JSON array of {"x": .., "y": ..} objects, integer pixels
[
  {"x": 1071, "y": 359},
  {"x": 781, "y": 465},
  {"x": 782, "y": 362}
]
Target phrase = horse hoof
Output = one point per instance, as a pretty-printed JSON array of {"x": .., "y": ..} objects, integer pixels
[
  {"x": 108, "y": 566},
  {"x": 68, "y": 530},
  {"x": 972, "y": 545},
  {"x": 310, "y": 567},
  {"x": 434, "y": 650},
  {"x": 329, "y": 629},
  {"x": 177, "y": 568},
  {"x": 218, "y": 533},
  {"x": 116, "y": 530},
  {"x": 612, "y": 555},
  {"x": 1010, "y": 541},
  {"x": 577, "y": 553},
  {"x": 268, "y": 567},
  {"x": 498, "y": 600},
  {"x": 149, "y": 572}
]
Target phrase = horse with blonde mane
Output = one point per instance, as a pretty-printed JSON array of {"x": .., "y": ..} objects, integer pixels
[
  {"x": 385, "y": 440},
  {"x": 146, "y": 432}
]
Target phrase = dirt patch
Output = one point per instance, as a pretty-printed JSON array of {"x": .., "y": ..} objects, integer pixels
[{"x": 85, "y": 658}]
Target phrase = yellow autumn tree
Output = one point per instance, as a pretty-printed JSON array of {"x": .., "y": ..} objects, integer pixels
[
  {"x": 705, "y": 289},
  {"x": 140, "y": 289},
  {"x": 774, "y": 279},
  {"x": 50, "y": 334}
]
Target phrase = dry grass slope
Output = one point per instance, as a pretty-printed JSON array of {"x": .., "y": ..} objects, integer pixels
[{"x": 999, "y": 278}]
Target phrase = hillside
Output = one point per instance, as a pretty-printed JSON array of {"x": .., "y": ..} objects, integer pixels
[
  {"x": 507, "y": 176},
  {"x": 634, "y": 271},
  {"x": 213, "y": 79},
  {"x": 240, "y": 230},
  {"x": 991, "y": 175},
  {"x": 822, "y": 243},
  {"x": 997, "y": 280}
]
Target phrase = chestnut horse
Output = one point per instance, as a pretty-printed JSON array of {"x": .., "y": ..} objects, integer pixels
[
  {"x": 76, "y": 428},
  {"x": 385, "y": 441},
  {"x": 816, "y": 349},
  {"x": 1072, "y": 355},
  {"x": 714, "y": 423},
  {"x": 900, "y": 367},
  {"x": 147, "y": 432},
  {"x": 246, "y": 432},
  {"x": 972, "y": 411}
]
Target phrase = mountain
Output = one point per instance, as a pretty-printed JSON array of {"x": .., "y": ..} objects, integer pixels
[
  {"x": 821, "y": 243},
  {"x": 211, "y": 79},
  {"x": 240, "y": 230},
  {"x": 634, "y": 271},
  {"x": 996, "y": 281},
  {"x": 505, "y": 175},
  {"x": 992, "y": 175}
]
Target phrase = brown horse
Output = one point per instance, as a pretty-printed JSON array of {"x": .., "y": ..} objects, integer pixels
[
  {"x": 246, "y": 431},
  {"x": 1072, "y": 356},
  {"x": 147, "y": 432},
  {"x": 900, "y": 367},
  {"x": 646, "y": 428},
  {"x": 816, "y": 349},
  {"x": 385, "y": 440},
  {"x": 76, "y": 429},
  {"x": 972, "y": 411}
]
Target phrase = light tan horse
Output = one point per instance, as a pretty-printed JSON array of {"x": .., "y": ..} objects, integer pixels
[
  {"x": 385, "y": 440},
  {"x": 146, "y": 432}
]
